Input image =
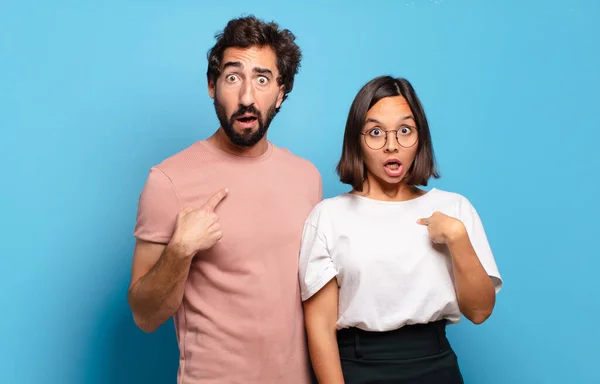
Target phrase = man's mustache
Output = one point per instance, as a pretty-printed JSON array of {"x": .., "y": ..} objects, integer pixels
[{"x": 244, "y": 110}]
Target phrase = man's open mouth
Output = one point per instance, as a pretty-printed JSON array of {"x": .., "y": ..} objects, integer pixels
[{"x": 247, "y": 119}]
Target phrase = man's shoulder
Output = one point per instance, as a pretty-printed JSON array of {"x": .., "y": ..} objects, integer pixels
[
  {"x": 295, "y": 162},
  {"x": 193, "y": 156}
]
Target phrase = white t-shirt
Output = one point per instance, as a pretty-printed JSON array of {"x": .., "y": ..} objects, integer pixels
[{"x": 388, "y": 272}]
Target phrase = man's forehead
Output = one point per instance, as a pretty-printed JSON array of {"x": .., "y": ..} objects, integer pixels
[{"x": 251, "y": 57}]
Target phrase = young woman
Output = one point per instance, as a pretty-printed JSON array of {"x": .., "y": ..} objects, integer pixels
[{"x": 386, "y": 266}]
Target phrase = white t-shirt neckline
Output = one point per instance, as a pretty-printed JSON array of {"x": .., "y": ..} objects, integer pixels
[{"x": 414, "y": 200}]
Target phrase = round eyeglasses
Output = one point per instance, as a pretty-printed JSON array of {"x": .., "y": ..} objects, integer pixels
[{"x": 376, "y": 138}]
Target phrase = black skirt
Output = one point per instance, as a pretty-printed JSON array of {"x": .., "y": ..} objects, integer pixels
[{"x": 415, "y": 354}]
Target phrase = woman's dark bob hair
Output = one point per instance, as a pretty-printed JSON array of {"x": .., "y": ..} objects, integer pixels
[{"x": 351, "y": 167}]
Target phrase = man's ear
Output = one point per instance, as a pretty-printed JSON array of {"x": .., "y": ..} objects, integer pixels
[
  {"x": 211, "y": 89},
  {"x": 280, "y": 96}
]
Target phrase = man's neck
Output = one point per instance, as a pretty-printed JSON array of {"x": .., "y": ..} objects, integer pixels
[{"x": 220, "y": 140}]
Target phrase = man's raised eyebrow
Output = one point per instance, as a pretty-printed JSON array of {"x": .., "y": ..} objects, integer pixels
[
  {"x": 265, "y": 71},
  {"x": 235, "y": 64}
]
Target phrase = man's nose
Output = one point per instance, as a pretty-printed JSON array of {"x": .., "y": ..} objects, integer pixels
[{"x": 247, "y": 94}]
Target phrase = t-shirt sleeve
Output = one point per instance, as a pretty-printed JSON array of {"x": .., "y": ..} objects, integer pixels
[
  {"x": 316, "y": 268},
  {"x": 158, "y": 206},
  {"x": 479, "y": 240},
  {"x": 317, "y": 181}
]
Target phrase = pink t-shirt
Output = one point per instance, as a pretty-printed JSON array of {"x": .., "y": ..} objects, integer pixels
[{"x": 241, "y": 318}]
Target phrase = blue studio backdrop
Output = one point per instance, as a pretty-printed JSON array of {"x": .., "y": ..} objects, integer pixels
[{"x": 93, "y": 93}]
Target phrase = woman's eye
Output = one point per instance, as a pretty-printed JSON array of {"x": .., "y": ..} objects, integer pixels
[
  {"x": 375, "y": 132},
  {"x": 405, "y": 130}
]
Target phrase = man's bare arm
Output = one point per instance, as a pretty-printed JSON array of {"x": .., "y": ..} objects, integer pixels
[
  {"x": 158, "y": 279},
  {"x": 160, "y": 271}
]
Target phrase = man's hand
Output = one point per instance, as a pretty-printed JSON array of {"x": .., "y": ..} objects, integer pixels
[{"x": 198, "y": 229}]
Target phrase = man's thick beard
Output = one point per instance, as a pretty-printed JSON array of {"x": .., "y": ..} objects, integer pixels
[{"x": 244, "y": 139}]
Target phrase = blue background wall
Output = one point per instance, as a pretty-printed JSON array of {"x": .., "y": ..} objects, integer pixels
[{"x": 94, "y": 93}]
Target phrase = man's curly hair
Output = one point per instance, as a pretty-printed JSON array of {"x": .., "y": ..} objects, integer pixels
[{"x": 249, "y": 31}]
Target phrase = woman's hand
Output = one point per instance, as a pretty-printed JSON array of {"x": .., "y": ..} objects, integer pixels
[
  {"x": 474, "y": 289},
  {"x": 442, "y": 228}
]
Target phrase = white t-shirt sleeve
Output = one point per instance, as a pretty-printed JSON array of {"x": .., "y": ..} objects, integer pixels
[
  {"x": 316, "y": 268},
  {"x": 469, "y": 216}
]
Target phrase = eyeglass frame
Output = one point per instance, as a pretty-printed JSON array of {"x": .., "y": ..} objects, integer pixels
[{"x": 386, "y": 137}]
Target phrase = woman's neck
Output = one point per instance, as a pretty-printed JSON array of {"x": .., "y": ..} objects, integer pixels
[{"x": 379, "y": 190}]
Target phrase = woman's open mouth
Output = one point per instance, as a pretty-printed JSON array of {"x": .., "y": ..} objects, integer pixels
[{"x": 393, "y": 167}]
